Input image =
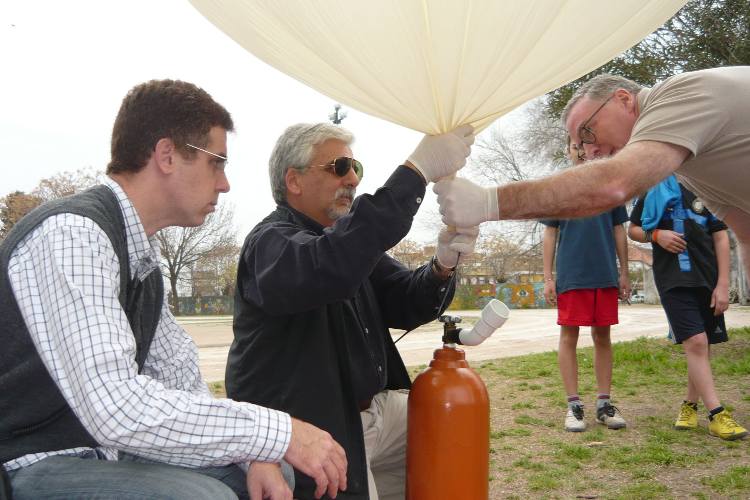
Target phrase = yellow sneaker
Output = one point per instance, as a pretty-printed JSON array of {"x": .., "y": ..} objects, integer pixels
[
  {"x": 724, "y": 426},
  {"x": 688, "y": 418}
]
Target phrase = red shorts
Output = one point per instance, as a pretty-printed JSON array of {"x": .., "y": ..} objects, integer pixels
[{"x": 587, "y": 307}]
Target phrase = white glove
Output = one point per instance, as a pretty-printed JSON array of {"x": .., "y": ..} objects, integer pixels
[
  {"x": 452, "y": 241},
  {"x": 464, "y": 204},
  {"x": 442, "y": 155}
]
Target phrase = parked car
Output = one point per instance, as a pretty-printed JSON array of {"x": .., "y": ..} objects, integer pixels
[{"x": 637, "y": 298}]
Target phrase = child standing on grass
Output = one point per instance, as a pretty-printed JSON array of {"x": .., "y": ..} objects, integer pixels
[
  {"x": 691, "y": 271},
  {"x": 586, "y": 292}
]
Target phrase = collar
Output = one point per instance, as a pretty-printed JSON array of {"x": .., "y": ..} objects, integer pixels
[
  {"x": 143, "y": 252},
  {"x": 301, "y": 218}
]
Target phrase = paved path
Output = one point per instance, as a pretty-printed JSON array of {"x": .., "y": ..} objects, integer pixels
[{"x": 526, "y": 331}]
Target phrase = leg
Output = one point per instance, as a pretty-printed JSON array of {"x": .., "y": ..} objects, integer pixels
[
  {"x": 231, "y": 475},
  {"x": 605, "y": 315},
  {"x": 567, "y": 360},
  {"x": 384, "y": 425},
  {"x": 699, "y": 369},
  {"x": 692, "y": 391},
  {"x": 74, "y": 477},
  {"x": 602, "y": 358}
]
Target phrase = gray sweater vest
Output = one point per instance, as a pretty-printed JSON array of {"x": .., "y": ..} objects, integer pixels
[{"x": 34, "y": 416}]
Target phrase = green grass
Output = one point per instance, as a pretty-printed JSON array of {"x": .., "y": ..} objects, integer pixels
[
  {"x": 735, "y": 480},
  {"x": 649, "y": 459}
]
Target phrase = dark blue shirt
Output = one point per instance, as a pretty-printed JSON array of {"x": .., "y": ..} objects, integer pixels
[{"x": 586, "y": 253}]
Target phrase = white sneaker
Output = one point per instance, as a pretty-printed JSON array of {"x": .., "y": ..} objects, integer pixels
[
  {"x": 574, "y": 419},
  {"x": 610, "y": 416}
]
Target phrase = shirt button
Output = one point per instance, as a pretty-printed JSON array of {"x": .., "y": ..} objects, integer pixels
[
  {"x": 367, "y": 331},
  {"x": 442, "y": 289},
  {"x": 419, "y": 200},
  {"x": 380, "y": 369}
]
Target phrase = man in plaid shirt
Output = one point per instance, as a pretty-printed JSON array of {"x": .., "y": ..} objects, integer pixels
[{"x": 100, "y": 391}]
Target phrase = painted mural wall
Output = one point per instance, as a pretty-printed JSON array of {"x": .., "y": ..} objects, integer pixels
[{"x": 197, "y": 306}]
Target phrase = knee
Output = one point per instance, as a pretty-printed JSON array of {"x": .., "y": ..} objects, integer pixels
[
  {"x": 569, "y": 337},
  {"x": 197, "y": 486},
  {"x": 601, "y": 339},
  {"x": 697, "y": 344}
]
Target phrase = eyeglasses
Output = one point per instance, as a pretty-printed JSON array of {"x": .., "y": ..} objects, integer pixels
[
  {"x": 341, "y": 165},
  {"x": 221, "y": 165},
  {"x": 585, "y": 134},
  {"x": 577, "y": 150}
]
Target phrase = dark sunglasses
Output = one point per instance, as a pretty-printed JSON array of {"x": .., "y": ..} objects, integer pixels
[{"x": 341, "y": 165}]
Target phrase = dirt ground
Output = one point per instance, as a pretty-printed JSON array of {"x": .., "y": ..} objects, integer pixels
[{"x": 526, "y": 331}]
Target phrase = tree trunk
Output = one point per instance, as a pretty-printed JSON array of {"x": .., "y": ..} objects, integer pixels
[{"x": 173, "y": 285}]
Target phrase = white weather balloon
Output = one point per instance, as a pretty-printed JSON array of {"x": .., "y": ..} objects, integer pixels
[{"x": 431, "y": 65}]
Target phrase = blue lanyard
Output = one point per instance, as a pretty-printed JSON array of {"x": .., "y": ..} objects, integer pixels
[{"x": 678, "y": 215}]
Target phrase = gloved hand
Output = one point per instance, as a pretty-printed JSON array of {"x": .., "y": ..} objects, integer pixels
[
  {"x": 452, "y": 241},
  {"x": 442, "y": 155},
  {"x": 465, "y": 204}
]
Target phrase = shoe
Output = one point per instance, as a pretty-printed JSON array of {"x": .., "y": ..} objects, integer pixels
[
  {"x": 688, "y": 418},
  {"x": 724, "y": 426},
  {"x": 574, "y": 419},
  {"x": 609, "y": 415}
]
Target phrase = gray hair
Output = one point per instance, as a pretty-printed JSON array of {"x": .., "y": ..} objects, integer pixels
[
  {"x": 294, "y": 149},
  {"x": 599, "y": 88}
]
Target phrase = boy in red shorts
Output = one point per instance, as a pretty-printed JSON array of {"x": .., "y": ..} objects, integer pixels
[{"x": 586, "y": 290}]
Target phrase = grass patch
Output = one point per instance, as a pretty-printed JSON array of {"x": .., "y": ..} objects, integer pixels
[
  {"x": 644, "y": 490},
  {"x": 736, "y": 479},
  {"x": 536, "y": 458}
]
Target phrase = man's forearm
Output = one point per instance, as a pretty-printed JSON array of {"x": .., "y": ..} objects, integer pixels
[
  {"x": 578, "y": 192},
  {"x": 593, "y": 187}
]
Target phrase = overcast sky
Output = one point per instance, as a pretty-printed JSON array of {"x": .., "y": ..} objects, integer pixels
[{"x": 66, "y": 66}]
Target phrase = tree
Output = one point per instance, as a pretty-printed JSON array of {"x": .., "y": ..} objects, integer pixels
[
  {"x": 182, "y": 248},
  {"x": 703, "y": 34},
  {"x": 535, "y": 146},
  {"x": 409, "y": 253},
  {"x": 14, "y": 206},
  {"x": 218, "y": 269},
  {"x": 532, "y": 148},
  {"x": 506, "y": 254},
  {"x": 17, "y": 204},
  {"x": 67, "y": 183}
]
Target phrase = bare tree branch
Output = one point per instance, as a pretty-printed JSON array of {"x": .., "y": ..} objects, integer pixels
[{"x": 183, "y": 248}]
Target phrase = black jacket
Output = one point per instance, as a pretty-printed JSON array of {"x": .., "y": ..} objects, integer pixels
[{"x": 312, "y": 312}]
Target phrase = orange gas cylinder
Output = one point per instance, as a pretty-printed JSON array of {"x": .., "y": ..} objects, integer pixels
[{"x": 447, "y": 454}]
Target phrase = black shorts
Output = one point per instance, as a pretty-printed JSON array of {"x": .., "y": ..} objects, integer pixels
[{"x": 689, "y": 313}]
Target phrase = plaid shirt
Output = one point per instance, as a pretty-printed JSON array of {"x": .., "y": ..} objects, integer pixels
[{"x": 65, "y": 278}]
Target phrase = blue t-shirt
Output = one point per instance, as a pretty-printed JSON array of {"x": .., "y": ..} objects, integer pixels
[{"x": 586, "y": 254}]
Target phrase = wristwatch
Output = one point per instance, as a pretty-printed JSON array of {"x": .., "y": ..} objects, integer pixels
[
  {"x": 648, "y": 236},
  {"x": 438, "y": 269}
]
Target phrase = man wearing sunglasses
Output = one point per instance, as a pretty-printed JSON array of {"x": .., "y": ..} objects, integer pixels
[
  {"x": 316, "y": 295},
  {"x": 694, "y": 124}
]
